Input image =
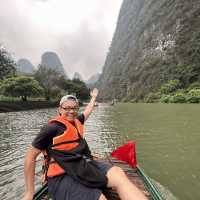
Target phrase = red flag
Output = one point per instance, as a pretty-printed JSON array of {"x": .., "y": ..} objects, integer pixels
[{"x": 126, "y": 153}]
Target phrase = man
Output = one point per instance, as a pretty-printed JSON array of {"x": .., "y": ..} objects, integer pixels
[{"x": 72, "y": 173}]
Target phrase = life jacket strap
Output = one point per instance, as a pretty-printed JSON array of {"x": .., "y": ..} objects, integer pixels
[
  {"x": 65, "y": 142},
  {"x": 45, "y": 166}
]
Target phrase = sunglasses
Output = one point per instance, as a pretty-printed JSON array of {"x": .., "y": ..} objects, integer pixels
[{"x": 68, "y": 109}]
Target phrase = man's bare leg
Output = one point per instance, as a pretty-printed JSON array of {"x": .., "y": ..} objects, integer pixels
[{"x": 127, "y": 191}]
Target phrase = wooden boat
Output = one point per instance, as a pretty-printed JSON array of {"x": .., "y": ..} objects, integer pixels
[{"x": 136, "y": 175}]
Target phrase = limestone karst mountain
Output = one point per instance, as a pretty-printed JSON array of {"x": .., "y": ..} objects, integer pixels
[
  {"x": 52, "y": 61},
  {"x": 155, "y": 41},
  {"x": 93, "y": 80},
  {"x": 25, "y": 66},
  {"x": 77, "y": 76}
]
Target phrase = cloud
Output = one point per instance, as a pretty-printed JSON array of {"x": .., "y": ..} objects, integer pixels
[
  {"x": 78, "y": 31},
  {"x": 84, "y": 52}
]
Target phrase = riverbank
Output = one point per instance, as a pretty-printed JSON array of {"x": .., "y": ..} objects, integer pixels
[{"x": 10, "y": 106}]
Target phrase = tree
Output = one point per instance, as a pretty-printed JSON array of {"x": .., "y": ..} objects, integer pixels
[
  {"x": 170, "y": 87},
  {"x": 7, "y": 64},
  {"x": 56, "y": 84},
  {"x": 48, "y": 79},
  {"x": 80, "y": 89},
  {"x": 21, "y": 86},
  {"x": 65, "y": 84}
]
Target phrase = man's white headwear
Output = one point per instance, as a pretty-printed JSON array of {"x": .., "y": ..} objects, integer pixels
[{"x": 68, "y": 97}]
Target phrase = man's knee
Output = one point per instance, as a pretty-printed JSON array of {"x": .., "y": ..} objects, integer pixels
[
  {"x": 115, "y": 170},
  {"x": 115, "y": 176}
]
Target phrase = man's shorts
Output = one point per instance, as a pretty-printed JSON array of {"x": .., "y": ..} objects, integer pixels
[{"x": 64, "y": 187}]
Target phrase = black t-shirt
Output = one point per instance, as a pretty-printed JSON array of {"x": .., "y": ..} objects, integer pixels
[{"x": 45, "y": 137}]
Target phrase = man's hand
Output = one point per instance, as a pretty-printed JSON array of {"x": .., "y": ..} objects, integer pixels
[{"x": 94, "y": 92}]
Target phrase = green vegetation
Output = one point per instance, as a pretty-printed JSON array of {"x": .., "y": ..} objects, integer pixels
[
  {"x": 152, "y": 97},
  {"x": 21, "y": 86},
  {"x": 48, "y": 79},
  {"x": 172, "y": 92},
  {"x": 80, "y": 89},
  {"x": 56, "y": 85},
  {"x": 170, "y": 87},
  {"x": 7, "y": 64},
  {"x": 45, "y": 83}
]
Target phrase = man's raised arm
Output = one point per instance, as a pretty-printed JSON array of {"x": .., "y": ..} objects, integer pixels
[{"x": 89, "y": 108}]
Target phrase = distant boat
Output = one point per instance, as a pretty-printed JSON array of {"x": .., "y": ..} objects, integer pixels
[{"x": 113, "y": 102}]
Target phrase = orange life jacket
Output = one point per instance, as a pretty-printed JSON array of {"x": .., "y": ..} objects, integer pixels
[{"x": 65, "y": 142}]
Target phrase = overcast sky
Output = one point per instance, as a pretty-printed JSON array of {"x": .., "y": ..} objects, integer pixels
[{"x": 79, "y": 31}]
